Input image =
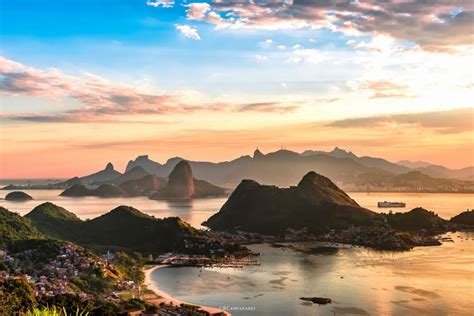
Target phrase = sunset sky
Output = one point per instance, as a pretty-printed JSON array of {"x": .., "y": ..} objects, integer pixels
[{"x": 91, "y": 81}]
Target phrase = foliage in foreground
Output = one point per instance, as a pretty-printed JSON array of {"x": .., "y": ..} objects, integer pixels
[{"x": 54, "y": 311}]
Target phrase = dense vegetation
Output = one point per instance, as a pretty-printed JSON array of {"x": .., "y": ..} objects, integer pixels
[
  {"x": 416, "y": 220},
  {"x": 55, "y": 221},
  {"x": 14, "y": 227},
  {"x": 124, "y": 227},
  {"x": 464, "y": 219},
  {"x": 17, "y": 297}
]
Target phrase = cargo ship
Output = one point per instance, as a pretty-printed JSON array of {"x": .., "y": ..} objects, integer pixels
[{"x": 391, "y": 204}]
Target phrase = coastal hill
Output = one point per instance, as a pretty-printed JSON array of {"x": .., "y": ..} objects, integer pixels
[
  {"x": 55, "y": 221},
  {"x": 464, "y": 219},
  {"x": 416, "y": 220},
  {"x": 18, "y": 196},
  {"x": 143, "y": 232},
  {"x": 316, "y": 204},
  {"x": 14, "y": 227},
  {"x": 123, "y": 227},
  {"x": 66, "y": 269},
  {"x": 182, "y": 185},
  {"x": 104, "y": 190}
]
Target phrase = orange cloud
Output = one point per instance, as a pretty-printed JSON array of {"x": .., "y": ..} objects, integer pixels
[
  {"x": 268, "y": 107},
  {"x": 454, "y": 121}
]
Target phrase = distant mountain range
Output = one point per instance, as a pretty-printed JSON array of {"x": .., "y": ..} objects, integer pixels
[
  {"x": 351, "y": 172},
  {"x": 285, "y": 168},
  {"x": 179, "y": 185}
]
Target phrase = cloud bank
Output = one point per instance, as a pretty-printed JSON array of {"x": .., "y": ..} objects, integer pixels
[
  {"x": 99, "y": 97},
  {"x": 434, "y": 25}
]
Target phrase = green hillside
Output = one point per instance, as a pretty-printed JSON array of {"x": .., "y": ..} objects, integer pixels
[
  {"x": 13, "y": 227},
  {"x": 55, "y": 221},
  {"x": 415, "y": 220},
  {"x": 124, "y": 228}
]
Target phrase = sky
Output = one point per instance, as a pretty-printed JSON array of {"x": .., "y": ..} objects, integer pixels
[{"x": 86, "y": 82}]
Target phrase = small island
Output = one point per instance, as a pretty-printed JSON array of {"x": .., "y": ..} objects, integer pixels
[{"x": 18, "y": 196}]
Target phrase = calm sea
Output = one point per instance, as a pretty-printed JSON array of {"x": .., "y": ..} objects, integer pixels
[
  {"x": 425, "y": 281},
  {"x": 197, "y": 211}
]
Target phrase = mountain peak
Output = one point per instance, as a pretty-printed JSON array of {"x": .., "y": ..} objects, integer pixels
[
  {"x": 109, "y": 166},
  {"x": 124, "y": 210},
  {"x": 181, "y": 181},
  {"x": 320, "y": 189},
  {"x": 316, "y": 203},
  {"x": 257, "y": 154},
  {"x": 342, "y": 153},
  {"x": 136, "y": 169},
  {"x": 146, "y": 163},
  {"x": 50, "y": 210}
]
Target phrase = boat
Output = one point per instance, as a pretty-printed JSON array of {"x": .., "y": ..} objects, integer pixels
[{"x": 391, "y": 204}]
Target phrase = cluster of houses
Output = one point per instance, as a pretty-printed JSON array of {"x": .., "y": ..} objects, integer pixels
[{"x": 55, "y": 276}]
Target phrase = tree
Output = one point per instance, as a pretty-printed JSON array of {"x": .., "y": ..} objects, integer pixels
[{"x": 16, "y": 296}]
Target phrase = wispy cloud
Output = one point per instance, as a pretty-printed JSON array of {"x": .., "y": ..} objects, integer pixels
[
  {"x": 268, "y": 107},
  {"x": 453, "y": 121},
  {"x": 385, "y": 89},
  {"x": 188, "y": 31}
]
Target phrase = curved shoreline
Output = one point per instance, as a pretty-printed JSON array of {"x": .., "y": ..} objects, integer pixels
[{"x": 168, "y": 299}]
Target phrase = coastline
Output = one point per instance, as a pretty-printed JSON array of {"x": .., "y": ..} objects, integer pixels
[{"x": 168, "y": 299}]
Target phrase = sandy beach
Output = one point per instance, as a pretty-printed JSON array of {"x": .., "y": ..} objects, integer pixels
[{"x": 168, "y": 299}]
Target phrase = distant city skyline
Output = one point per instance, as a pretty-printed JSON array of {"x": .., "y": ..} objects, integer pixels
[{"x": 83, "y": 83}]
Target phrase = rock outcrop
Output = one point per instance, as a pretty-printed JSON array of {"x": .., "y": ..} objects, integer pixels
[{"x": 182, "y": 185}]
